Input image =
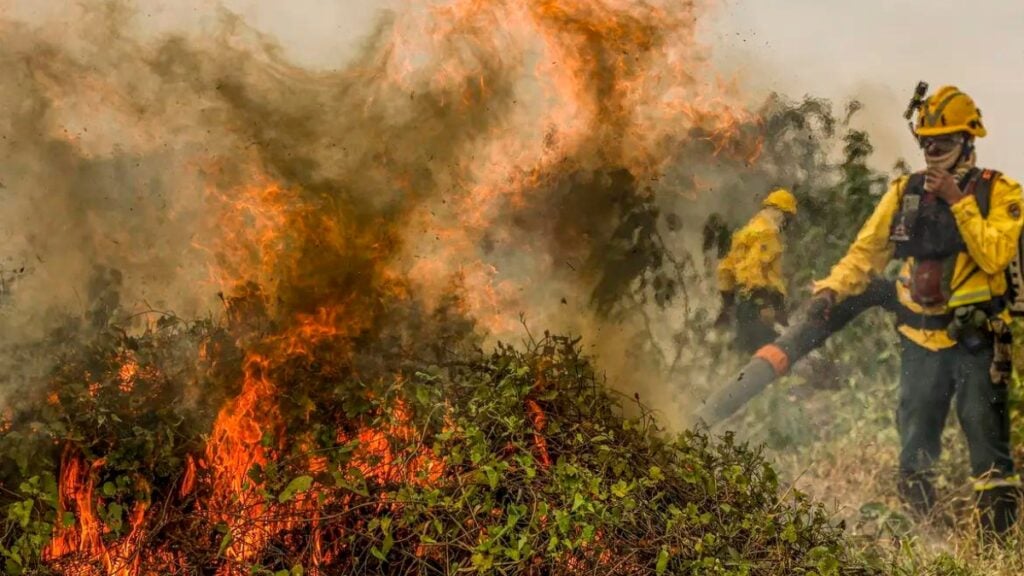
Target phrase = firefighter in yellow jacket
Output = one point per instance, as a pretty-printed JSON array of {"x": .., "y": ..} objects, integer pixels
[
  {"x": 750, "y": 276},
  {"x": 955, "y": 228}
]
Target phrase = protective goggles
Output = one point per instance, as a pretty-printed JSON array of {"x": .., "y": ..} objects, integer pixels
[{"x": 937, "y": 145}]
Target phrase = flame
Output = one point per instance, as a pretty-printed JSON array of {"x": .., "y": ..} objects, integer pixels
[
  {"x": 377, "y": 459},
  {"x": 188, "y": 480},
  {"x": 238, "y": 444},
  {"x": 76, "y": 496},
  {"x": 623, "y": 84},
  {"x": 248, "y": 431},
  {"x": 84, "y": 538},
  {"x": 254, "y": 220},
  {"x": 234, "y": 448},
  {"x": 127, "y": 374},
  {"x": 539, "y": 421}
]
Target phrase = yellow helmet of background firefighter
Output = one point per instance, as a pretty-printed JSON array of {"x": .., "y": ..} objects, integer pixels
[
  {"x": 782, "y": 199},
  {"x": 947, "y": 111}
]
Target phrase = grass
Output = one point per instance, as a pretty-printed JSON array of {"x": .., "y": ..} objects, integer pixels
[{"x": 839, "y": 444}]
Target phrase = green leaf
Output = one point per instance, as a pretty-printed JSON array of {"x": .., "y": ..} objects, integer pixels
[
  {"x": 620, "y": 489},
  {"x": 872, "y": 510},
  {"x": 492, "y": 476},
  {"x": 297, "y": 485},
  {"x": 30, "y": 487},
  {"x": 588, "y": 533},
  {"x": 789, "y": 533},
  {"x": 552, "y": 544},
  {"x": 225, "y": 543},
  {"x": 825, "y": 561},
  {"x": 114, "y": 518},
  {"x": 482, "y": 562},
  {"x": 21, "y": 512},
  {"x": 656, "y": 474},
  {"x": 662, "y": 563}
]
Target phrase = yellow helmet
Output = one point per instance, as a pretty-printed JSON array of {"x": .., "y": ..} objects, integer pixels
[
  {"x": 947, "y": 111},
  {"x": 782, "y": 199}
]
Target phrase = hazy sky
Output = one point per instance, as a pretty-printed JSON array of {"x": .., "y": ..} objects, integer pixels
[{"x": 875, "y": 50}]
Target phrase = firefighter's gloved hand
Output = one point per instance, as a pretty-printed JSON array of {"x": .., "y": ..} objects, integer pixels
[{"x": 821, "y": 304}]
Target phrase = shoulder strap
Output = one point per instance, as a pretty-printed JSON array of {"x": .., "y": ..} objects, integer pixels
[
  {"x": 981, "y": 186},
  {"x": 914, "y": 183}
]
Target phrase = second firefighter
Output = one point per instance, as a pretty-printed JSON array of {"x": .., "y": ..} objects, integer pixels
[{"x": 750, "y": 276}]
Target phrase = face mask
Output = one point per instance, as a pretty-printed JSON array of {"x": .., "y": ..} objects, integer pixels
[{"x": 942, "y": 151}]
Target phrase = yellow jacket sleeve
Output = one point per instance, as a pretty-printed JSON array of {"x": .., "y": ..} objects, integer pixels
[
  {"x": 870, "y": 251},
  {"x": 992, "y": 241}
]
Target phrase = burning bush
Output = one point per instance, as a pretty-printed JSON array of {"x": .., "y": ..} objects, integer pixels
[{"x": 324, "y": 462}]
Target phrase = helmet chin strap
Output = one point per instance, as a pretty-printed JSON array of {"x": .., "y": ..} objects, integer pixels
[{"x": 967, "y": 152}]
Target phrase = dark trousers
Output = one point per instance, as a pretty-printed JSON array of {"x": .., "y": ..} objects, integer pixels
[
  {"x": 751, "y": 331},
  {"x": 929, "y": 381}
]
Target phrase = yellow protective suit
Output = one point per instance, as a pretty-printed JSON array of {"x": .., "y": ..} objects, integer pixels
[
  {"x": 979, "y": 272},
  {"x": 754, "y": 262}
]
